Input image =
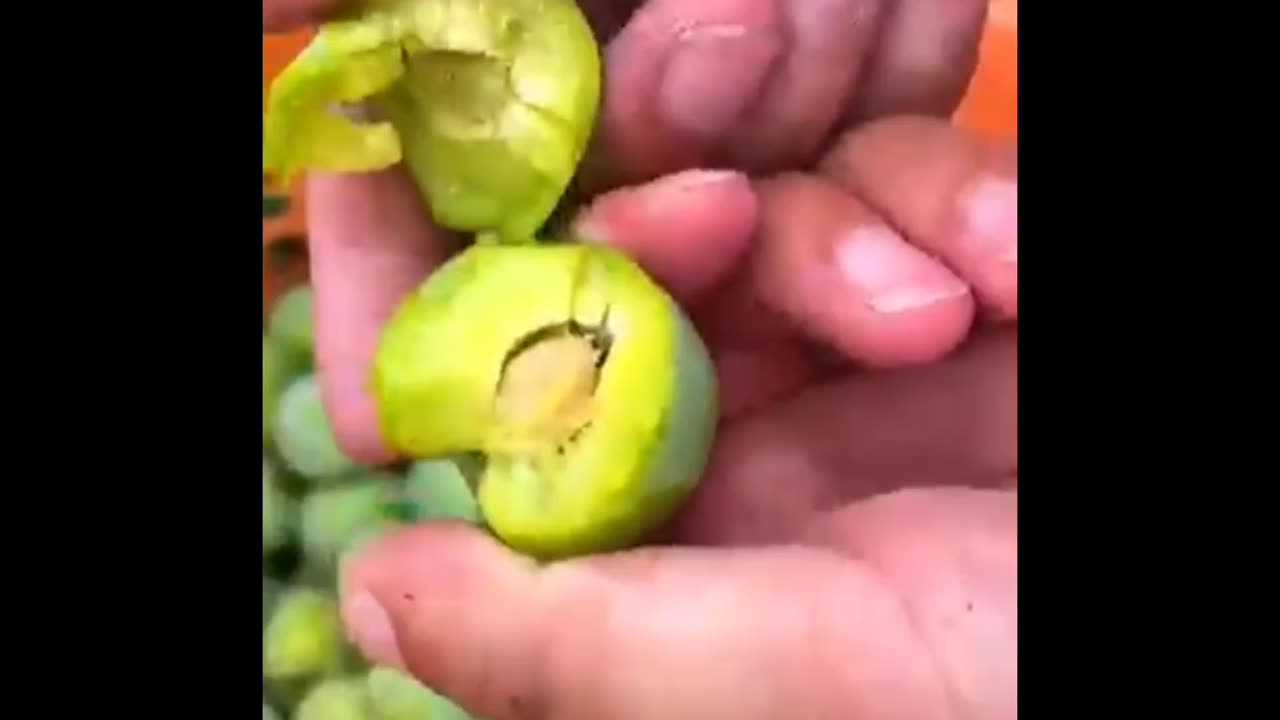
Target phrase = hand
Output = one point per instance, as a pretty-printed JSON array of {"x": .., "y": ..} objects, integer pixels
[
  {"x": 750, "y": 84},
  {"x": 854, "y": 544},
  {"x": 852, "y": 552}
]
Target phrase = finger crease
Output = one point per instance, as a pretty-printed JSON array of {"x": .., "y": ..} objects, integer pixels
[{"x": 950, "y": 693}]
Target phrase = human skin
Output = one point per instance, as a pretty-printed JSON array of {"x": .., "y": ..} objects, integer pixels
[{"x": 852, "y": 551}]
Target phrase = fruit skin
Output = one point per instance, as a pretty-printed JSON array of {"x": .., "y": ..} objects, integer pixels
[
  {"x": 291, "y": 330},
  {"x": 273, "y": 381},
  {"x": 333, "y": 518},
  {"x": 437, "y": 490},
  {"x": 303, "y": 639},
  {"x": 655, "y": 407},
  {"x": 270, "y": 593},
  {"x": 432, "y": 490},
  {"x": 304, "y": 437},
  {"x": 278, "y": 511},
  {"x": 489, "y": 103},
  {"x": 339, "y": 698},
  {"x": 394, "y": 695}
]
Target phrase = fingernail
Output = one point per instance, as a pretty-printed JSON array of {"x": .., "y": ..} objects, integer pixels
[
  {"x": 991, "y": 215},
  {"x": 893, "y": 275},
  {"x": 713, "y": 76},
  {"x": 659, "y": 193},
  {"x": 369, "y": 628}
]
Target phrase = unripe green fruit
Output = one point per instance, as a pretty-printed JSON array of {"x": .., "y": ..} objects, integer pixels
[
  {"x": 304, "y": 436},
  {"x": 339, "y": 698},
  {"x": 303, "y": 638},
  {"x": 397, "y": 696},
  {"x": 273, "y": 381},
  {"x": 291, "y": 329},
  {"x": 437, "y": 490},
  {"x": 581, "y": 381},
  {"x": 333, "y": 518},
  {"x": 278, "y": 511},
  {"x": 489, "y": 103}
]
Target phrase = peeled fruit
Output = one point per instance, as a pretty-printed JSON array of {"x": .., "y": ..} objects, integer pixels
[
  {"x": 489, "y": 103},
  {"x": 584, "y": 386},
  {"x": 304, "y": 436}
]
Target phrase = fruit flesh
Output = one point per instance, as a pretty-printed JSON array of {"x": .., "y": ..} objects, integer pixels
[
  {"x": 546, "y": 395},
  {"x": 291, "y": 329}
]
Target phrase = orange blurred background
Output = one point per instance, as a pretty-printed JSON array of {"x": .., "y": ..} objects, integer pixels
[
  {"x": 990, "y": 107},
  {"x": 991, "y": 104}
]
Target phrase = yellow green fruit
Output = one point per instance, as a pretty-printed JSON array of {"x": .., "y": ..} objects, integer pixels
[
  {"x": 580, "y": 380},
  {"x": 337, "y": 698},
  {"x": 303, "y": 638},
  {"x": 397, "y": 696}
]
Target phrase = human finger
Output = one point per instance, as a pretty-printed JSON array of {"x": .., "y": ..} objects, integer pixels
[
  {"x": 847, "y": 439},
  {"x": 686, "y": 229},
  {"x": 828, "y": 45},
  {"x": 925, "y": 56},
  {"x": 760, "y": 85},
  {"x": 690, "y": 230},
  {"x": 371, "y": 243},
  {"x": 850, "y": 280},
  {"x": 679, "y": 75},
  {"x": 647, "y": 634},
  {"x": 951, "y": 193},
  {"x": 920, "y": 540}
]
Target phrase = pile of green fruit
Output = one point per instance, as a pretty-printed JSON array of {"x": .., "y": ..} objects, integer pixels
[{"x": 317, "y": 506}]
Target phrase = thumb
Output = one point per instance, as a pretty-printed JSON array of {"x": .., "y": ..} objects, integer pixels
[{"x": 651, "y": 634}]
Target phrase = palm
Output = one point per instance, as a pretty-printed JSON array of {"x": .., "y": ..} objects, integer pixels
[
  {"x": 847, "y": 593},
  {"x": 802, "y": 436}
]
